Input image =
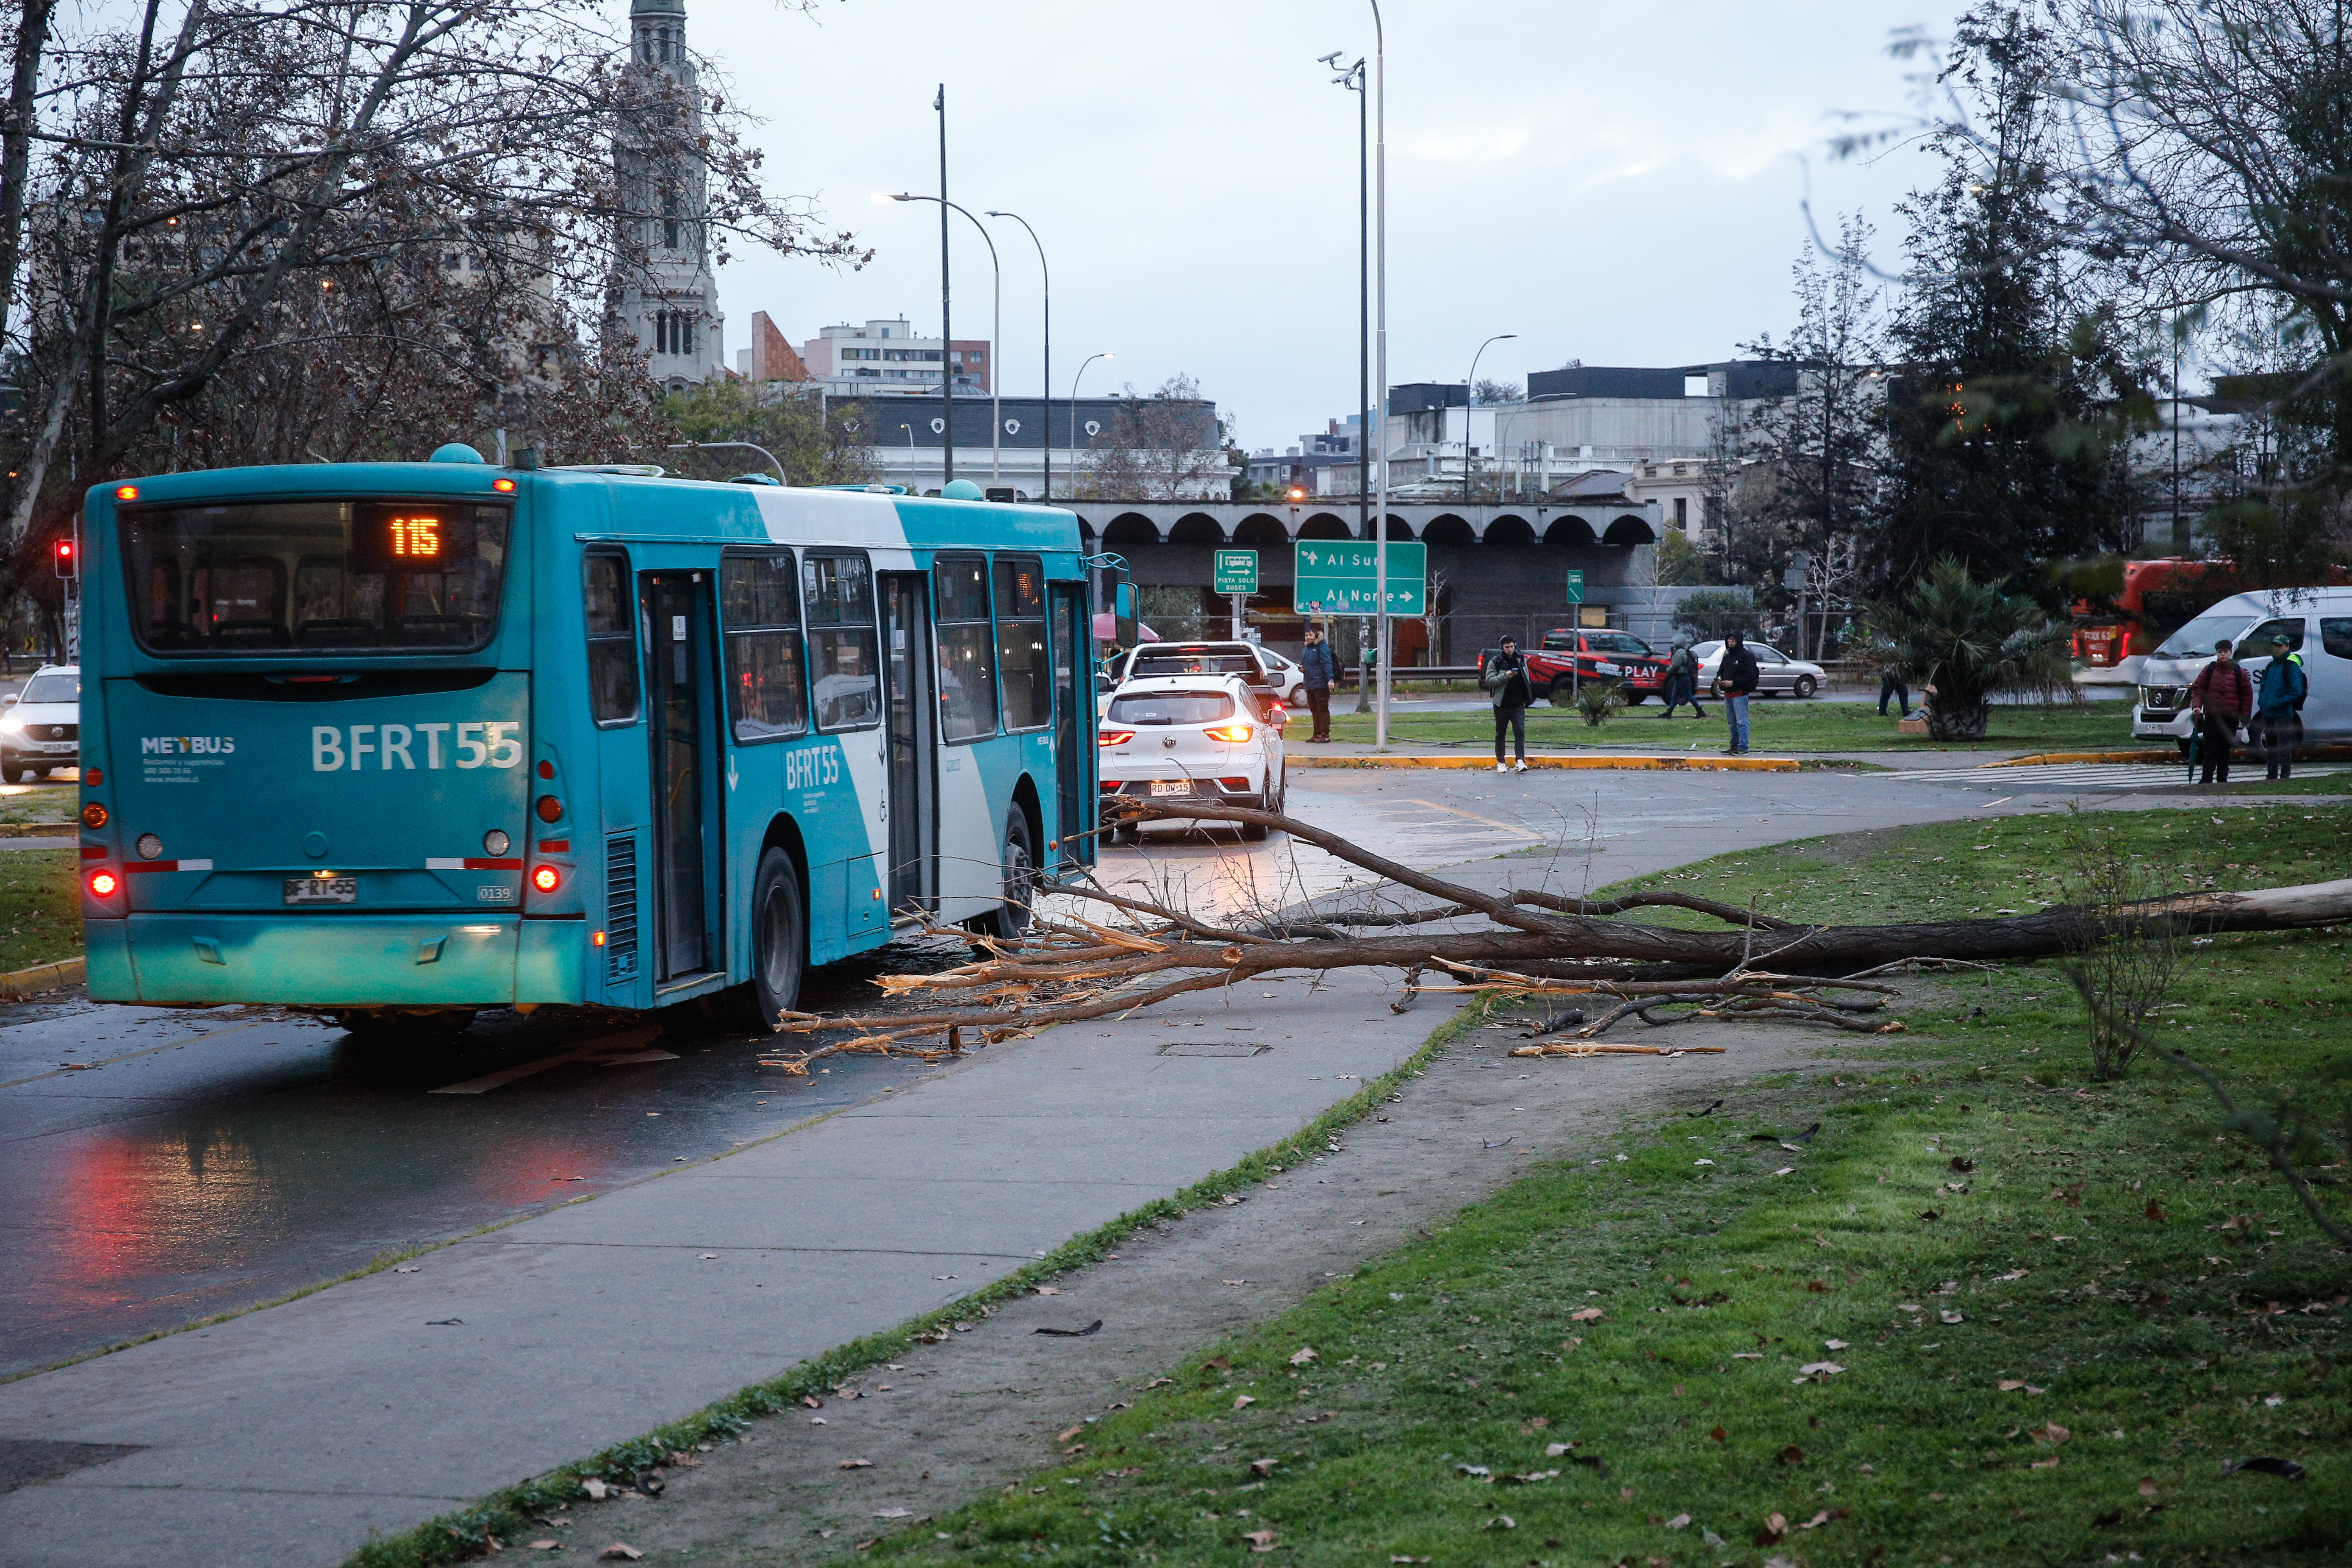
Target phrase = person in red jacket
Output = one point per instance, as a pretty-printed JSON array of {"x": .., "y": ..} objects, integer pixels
[{"x": 2220, "y": 699}]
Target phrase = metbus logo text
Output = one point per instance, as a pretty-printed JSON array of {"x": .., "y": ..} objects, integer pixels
[
  {"x": 187, "y": 746},
  {"x": 487, "y": 742}
]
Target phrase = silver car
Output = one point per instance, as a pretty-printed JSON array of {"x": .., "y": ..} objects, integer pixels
[
  {"x": 42, "y": 727},
  {"x": 1777, "y": 675}
]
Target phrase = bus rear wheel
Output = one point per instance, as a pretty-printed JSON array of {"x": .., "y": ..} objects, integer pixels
[
  {"x": 779, "y": 947},
  {"x": 1019, "y": 859}
]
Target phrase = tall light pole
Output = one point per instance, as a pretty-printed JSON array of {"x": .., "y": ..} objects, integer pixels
[
  {"x": 1381, "y": 368},
  {"x": 1469, "y": 395},
  {"x": 1352, "y": 78},
  {"x": 995, "y": 335},
  {"x": 1045, "y": 425},
  {"x": 1074, "y": 412}
]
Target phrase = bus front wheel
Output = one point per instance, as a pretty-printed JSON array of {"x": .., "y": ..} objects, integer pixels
[
  {"x": 1011, "y": 916},
  {"x": 779, "y": 947}
]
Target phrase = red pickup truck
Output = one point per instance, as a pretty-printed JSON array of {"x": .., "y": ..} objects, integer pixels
[{"x": 1598, "y": 656}]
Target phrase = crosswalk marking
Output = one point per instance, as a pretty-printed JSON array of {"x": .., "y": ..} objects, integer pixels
[{"x": 2047, "y": 776}]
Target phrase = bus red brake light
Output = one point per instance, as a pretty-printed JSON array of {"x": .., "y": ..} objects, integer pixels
[
  {"x": 1233, "y": 734},
  {"x": 1114, "y": 737},
  {"x": 504, "y": 486},
  {"x": 546, "y": 878},
  {"x": 104, "y": 883},
  {"x": 549, "y": 809},
  {"x": 126, "y": 492},
  {"x": 93, "y": 815}
]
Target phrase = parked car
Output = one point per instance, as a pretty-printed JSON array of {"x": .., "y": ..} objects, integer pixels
[
  {"x": 2318, "y": 625},
  {"x": 1777, "y": 675},
  {"x": 1570, "y": 656},
  {"x": 1208, "y": 736},
  {"x": 1258, "y": 665},
  {"x": 42, "y": 728}
]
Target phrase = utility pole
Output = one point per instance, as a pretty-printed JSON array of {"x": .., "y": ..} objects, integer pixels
[
  {"x": 1380, "y": 276},
  {"x": 947, "y": 331}
]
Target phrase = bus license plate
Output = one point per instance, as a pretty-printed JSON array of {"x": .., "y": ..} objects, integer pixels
[
  {"x": 322, "y": 889},
  {"x": 1171, "y": 786}
]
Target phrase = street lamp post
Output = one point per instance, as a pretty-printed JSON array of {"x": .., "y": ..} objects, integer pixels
[
  {"x": 1352, "y": 80},
  {"x": 947, "y": 331},
  {"x": 1045, "y": 427},
  {"x": 747, "y": 445},
  {"x": 1074, "y": 412},
  {"x": 1381, "y": 370},
  {"x": 995, "y": 337},
  {"x": 1469, "y": 395}
]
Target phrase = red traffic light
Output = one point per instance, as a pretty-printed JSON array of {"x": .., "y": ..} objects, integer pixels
[{"x": 61, "y": 552}]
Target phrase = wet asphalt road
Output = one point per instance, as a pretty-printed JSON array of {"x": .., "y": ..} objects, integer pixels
[{"x": 191, "y": 1162}]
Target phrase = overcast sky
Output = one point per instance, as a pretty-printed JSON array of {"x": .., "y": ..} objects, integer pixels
[{"x": 1615, "y": 184}]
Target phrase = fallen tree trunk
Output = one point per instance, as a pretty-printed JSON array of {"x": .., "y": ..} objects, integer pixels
[{"x": 1069, "y": 973}]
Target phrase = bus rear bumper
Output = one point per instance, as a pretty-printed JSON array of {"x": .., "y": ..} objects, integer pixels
[{"x": 346, "y": 961}]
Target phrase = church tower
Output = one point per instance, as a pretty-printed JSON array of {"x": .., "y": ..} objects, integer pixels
[{"x": 665, "y": 295}]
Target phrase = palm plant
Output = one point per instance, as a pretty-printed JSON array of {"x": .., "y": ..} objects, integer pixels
[
  {"x": 1965, "y": 641},
  {"x": 1598, "y": 701}
]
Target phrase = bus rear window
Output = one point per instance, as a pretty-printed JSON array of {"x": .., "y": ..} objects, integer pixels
[{"x": 326, "y": 576}]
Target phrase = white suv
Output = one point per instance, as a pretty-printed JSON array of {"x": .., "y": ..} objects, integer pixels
[
  {"x": 42, "y": 728},
  {"x": 1202, "y": 737},
  {"x": 1259, "y": 665}
]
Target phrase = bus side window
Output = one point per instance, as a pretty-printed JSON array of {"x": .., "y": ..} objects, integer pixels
[
  {"x": 2336, "y": 635},
  {"x": 2263, "y": 635},
  {"x": 761, "y": 614},
  {"x": 967, "y": 648},
  {"x": 1022, "y": 658},
  {"x": 837, "y": 600},
  {"x": 612, "y": 639}
]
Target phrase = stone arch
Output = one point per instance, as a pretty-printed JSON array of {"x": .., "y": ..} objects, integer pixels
[
  {"x": 1261, "y": 531},
  {"x": 1509, "y": 529},
  {"x": 1130, "y": 528},
  {"x": 1448, "y": 529},
  {"x": 1086, "y": 526},
  {"x": 1323, "y": 525},
  {"x": 1196, "y": 528},
  {"x": 1399, "y": 528},
  {"x": 1630, "y": 529},
  {"x": 1569, "y": 528}
]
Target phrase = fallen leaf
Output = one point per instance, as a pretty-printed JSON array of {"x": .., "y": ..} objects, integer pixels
[
  {"x": 1949, "y": 1316},
  {"x": 1533, "y": 1425},
  {"x": 1816, "y": 1286},
  {"x": 1260, "y": 1539},
  {"x": 1501, "y": 1521},
  {"x": 1071, "y": 1432},
  {"x": 2286, "y": 1470},
  {"x": 1963, "y": 1167},
  {"x": 1475, "y": 1472},
  {"x": 1680, "y": 1521},
  {"x": 1719, "y": 1435},
  {"x": 855, "y": 1464},
  {"x": 1303, "y": 1354},
  {"x": 1820, "y": 1369},
  {"x": 1792, "y": 1455},
  {"x": 1243, "y": 1400},
  {"x": 2012, "y": 1274},
  {"x": 2147, "y": 1486},
  {"x": 1823, "y": 1518},
  {"x": 1049, "y": 1289},
  {"x": 1158, "y": 1382},
  {"x": 1586, "y": 1315},
  {"x": 1554, "y": 1450},
  {"x": 1775, "y": 1527},
  {"x": 595, "y": 1489},
  {"x": 894, "y": 1514},
  {"x": 1833, "y": 1345},
  {"x": 545, "y": 1546},
  {"x": 2051, "y": 1436},
  {"x": 2011, "y": 1384},
  {"x": 1929, "y": 1214},
  {"x": 812, "y": 1401},
  {"x": 619, "y": 1551},
  {"x": 2112, "y": 1517},
  {"x": 2155, "y": 1210},
  {"x": 1216, "y": 1363},
  {"x": 2049, "y": 1464}
]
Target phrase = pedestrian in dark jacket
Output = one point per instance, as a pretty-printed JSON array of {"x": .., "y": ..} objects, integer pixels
[
  {"x": 1890, "y": 684},
  {"x": 1316, "y": 663},
  {"x": 1505, "y": 677},
  {"x": 2220, "y": 699},
  {"x": 1739, "y": 677},
  {"x": 2278, "y": 724},
  {"x": 1682, "y": 681}
]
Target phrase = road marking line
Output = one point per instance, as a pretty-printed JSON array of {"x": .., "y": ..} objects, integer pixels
[
  {"x": 146, "y": 1051},
  {"x": 603, "y": 1046},
  {"x": 1474, "y": 816}
]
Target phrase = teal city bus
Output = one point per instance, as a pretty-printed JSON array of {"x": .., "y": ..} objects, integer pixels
[{"x": 396, "y": 742}]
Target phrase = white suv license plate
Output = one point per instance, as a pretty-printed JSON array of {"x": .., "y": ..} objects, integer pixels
[
  {"x": 322, "y": 889},
  {"x": 1171, "y": 786}
]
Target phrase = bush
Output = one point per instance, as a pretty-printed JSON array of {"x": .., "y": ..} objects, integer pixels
[
  {"x": 1598, "y": 701},
  {"x": 1966, "y": 640}
]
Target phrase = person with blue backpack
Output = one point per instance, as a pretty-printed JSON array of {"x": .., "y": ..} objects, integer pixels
[{"x": 2278, "y": 706}]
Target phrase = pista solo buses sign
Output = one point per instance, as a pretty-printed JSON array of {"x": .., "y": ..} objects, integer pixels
[
  {"x": 1234, "y": 571},
  {"x": 1341, "y": 577}
]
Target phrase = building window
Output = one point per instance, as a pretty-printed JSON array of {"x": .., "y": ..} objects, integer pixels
[
  {"x": 673, "y": 331},
  {"x": 1682, "y": 513}
]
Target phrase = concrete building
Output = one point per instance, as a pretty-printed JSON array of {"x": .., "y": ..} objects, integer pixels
[
  {"x": 885, "y": 358},
  {"x": 664, "y": 295},
  {"x": 1303, "y": 466},
  {"x": 908, "y": 437},
  {"x": 770, "y": 357}
]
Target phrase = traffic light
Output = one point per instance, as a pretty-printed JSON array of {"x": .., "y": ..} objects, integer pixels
[{"x": 62, "y": 555}]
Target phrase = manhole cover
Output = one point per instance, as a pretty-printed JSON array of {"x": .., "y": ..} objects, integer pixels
[{"x": 1211, "y": 1049}]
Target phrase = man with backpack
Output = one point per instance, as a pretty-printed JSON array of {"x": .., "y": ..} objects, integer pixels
[
  {"x": 1505, "y": 677},
  {"x": 2221, "y": 699},
  {"x": 2277, "y": 706},
  {"x": 1682, "y": 682}
]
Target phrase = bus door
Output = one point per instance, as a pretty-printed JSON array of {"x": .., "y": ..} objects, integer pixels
[
  {"x": 1073, "y": 726},
  {"x": 676, "y": 650},
  {"x": 913, "y": 805}
]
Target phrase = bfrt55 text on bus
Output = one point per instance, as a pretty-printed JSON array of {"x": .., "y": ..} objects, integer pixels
[{"x": 485, "y": 743}]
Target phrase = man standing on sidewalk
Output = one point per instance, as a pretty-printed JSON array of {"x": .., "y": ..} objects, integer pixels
[
  {"x": 2221, "y": 699},
  {"x": 1738, "y": 676},
  {"x": 2277, "y": 726},
  {"x": 1316, "y": 663},
  {"x": 1505, "y": 677}
]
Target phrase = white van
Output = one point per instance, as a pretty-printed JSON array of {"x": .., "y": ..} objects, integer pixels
[{"x": 2318, "y": 625}]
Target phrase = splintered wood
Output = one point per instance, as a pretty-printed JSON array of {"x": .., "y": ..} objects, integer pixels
[{"x": 1522, "y": 943}]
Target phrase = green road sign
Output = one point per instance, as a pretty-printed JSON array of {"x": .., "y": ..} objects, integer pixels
[
  {"x": 1576, "y": 586},
  {"x": 1236, "y": 572},
  {"x": 1339, "y": 578}
]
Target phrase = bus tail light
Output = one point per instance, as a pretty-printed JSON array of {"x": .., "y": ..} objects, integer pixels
[
  {"x": 102, "y": 883},
  {"x": 1233, "y": 734},
  {"x": 1114, "y": 737},
  {"x": 546, "y": 878},
  {"x": 93, "y": 817},
  {"x": 550, "y": 808}
]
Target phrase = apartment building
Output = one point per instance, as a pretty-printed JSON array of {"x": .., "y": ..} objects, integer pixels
[{"x": 886, "y": 356}]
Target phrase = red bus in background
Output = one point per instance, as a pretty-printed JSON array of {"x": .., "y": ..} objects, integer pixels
[{"x": 2113, "y": 634}]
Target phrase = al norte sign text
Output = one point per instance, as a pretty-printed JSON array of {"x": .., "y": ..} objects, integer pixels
[{"x": 1341, "y": 577}]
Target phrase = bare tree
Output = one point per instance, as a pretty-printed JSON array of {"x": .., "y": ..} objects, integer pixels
[{"x": 1165, "y": 446}]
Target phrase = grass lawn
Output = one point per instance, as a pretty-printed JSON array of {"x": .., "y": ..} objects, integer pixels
[
  {"x": 1988, "y": 1313},
  {"x": 40, "y": 906},
  {"x": 1776, "y": 725}
]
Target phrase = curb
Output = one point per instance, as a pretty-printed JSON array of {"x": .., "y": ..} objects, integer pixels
[
  {"x": 2301, "y": 754},
  {"x": 1670, "y": 764},
  {"x": 40, "y": 829},
  {"x": 43, "y": 977}
]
